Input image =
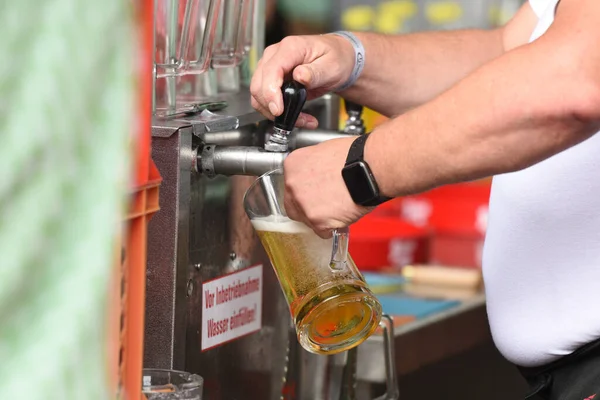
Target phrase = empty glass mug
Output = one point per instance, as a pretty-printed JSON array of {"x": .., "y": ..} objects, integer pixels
[
  {"x": 233, "y": 38},
  {"x": 184, "y": 33},
  {"x": 330, "y": 303},
  {"x": 164, "y": 384}
]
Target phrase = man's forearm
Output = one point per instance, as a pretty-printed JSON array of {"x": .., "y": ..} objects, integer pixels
[
  {"x": 513, "y": 112},
  {"x": 404, "y": 71}
]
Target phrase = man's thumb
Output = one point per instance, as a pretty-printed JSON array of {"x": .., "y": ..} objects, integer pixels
[{"x": 310, "y": 75}]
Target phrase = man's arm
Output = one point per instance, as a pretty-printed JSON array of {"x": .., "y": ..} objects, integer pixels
[
  {"x": 519, "y": 109},
  {"x": 405, "y": 71},
  {"x": 401, "y": 71}
]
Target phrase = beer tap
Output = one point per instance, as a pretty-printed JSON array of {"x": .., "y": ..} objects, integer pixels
[
  {"x": 294, "y": 97},
  {"x": 354, "y": 124},
  {"x": 217, "y": 157},
  {"x": 215, "y": 160}
]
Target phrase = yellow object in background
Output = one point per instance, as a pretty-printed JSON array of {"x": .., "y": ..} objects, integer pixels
[
  {"x": 403, "y": 9},
  {"x": 392, "y": 15},
  {"x": 388, "y": 23},
  {"x": 253, "y": 59},
  {"x": 443, "y": 12},
  {"x": 358, "y": 18}
]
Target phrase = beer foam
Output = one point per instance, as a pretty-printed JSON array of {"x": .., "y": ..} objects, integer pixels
[{"x": 280, "y": 224}]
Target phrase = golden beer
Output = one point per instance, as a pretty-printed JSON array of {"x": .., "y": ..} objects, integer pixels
[{"x": 331, "y": 306}]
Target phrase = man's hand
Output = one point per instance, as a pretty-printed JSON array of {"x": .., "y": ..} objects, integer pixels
[
  {"x": 400, "y": 72},
  {"x": 321, "y": 63},
  {"x": 315, "y": 191}
]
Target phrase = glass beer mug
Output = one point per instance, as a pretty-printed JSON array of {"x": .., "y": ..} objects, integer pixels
[{"x": 330, "y": 303}]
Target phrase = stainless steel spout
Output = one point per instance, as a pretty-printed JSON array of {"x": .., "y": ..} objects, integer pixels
[
  {"x": 238, "y": 153},
  {"x": 304, "y": 138},
  {"x": 216, "y": 160}
]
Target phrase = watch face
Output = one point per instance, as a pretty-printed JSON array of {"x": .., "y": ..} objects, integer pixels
[{"x": 358, "y": 180}]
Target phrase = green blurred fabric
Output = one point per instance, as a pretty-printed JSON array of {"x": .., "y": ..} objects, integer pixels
[{"x": 65, "y": 119}]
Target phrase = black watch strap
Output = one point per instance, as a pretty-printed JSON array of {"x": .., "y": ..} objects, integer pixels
[
  {"x": 357, "y": 149},
  {"x": 356, "y": 153}
]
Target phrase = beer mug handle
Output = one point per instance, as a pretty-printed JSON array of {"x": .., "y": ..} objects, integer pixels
[
  {"x": 339, "y": 255},
  {"x": 391, "y": 381}
]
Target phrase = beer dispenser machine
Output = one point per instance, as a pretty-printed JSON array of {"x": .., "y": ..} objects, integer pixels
[{"x": 201, "y": 239}]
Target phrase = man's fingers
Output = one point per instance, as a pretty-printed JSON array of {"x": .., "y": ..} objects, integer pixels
[
  {"x": 304, "y": 120},
  {"x": 272, "y": 79},
  {"x": 290, "y": 53},
  {"x": 323, "y": 72},
  {"x": 256, "y": 83},
  {"x": 256, "y": 86},
  {"x": 292, "y": 211},
  {"x": 313, "y": 62},
  {"x": 258, "y": 107},
  {"x": 256, "y": 92},
  {"x": 295, "y": 213},
  {"x": 327, "y": 234},
  {"x": 305, "y": 74},
  {"x": 270, "y": 51},
  {"x": 307, "y": 121}
]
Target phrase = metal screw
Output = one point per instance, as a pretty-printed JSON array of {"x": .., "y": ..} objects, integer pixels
[
  {"x": 198, "y": 266},
  {"x": 190, "y": 288},
  {"x": 232, "y": 255}
]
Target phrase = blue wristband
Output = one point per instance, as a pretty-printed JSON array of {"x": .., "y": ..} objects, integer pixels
[{"x": 359, "y": 59}]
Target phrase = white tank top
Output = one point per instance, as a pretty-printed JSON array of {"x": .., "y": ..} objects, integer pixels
[{"x": 542, "y": 254}]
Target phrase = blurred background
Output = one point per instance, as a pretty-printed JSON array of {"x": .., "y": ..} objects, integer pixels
[{"x": 390, "y": 17}]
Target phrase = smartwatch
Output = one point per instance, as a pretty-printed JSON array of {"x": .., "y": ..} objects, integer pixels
[{"x": 358, "y": 177}]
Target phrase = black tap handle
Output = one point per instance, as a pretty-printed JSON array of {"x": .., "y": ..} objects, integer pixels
[
  {"x": 352, "y": 107},
  {"x": 294, "y": 97}
]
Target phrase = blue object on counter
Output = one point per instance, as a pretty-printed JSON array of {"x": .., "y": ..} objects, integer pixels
[
  {"x": 401, "y": 304},
  {"x": 419, "y": 308},
  {"x": 375, "y": 279}
]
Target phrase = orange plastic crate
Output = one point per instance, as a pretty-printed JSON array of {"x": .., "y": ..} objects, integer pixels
[
  {"x": 127, "y": 300},
  {"x": 129, "y": 294}
]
